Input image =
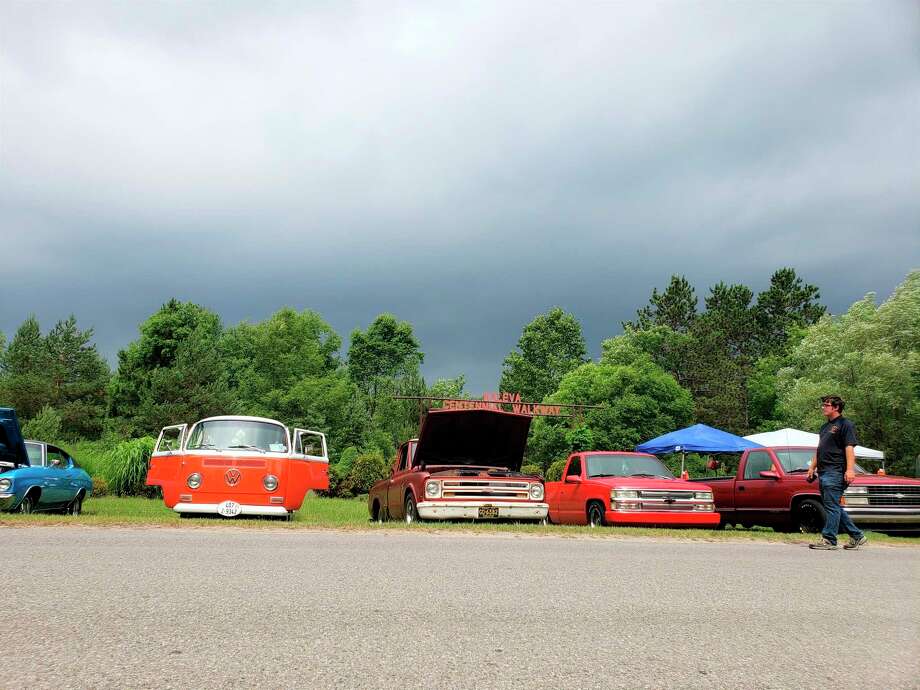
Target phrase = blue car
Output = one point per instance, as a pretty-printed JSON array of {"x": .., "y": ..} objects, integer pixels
[{"x": 36, "y": 476}]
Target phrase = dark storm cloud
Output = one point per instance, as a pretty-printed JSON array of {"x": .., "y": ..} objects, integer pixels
[{"x": 465, "y": 166}]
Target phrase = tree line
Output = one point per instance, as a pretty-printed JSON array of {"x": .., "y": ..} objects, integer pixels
[{"x": 742, "y": 362}]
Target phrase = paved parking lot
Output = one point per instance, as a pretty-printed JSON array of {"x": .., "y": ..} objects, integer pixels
[{"x": 86, "y": 607}]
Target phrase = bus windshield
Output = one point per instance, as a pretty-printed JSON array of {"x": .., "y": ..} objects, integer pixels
[{"x": 238, "y": 434}]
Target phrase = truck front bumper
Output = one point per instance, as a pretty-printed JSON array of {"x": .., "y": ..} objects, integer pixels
[
  {"x": 469, "y": 510},
  {"x": 884, "y": 516},
  {"x": 211, "y": 509},
  {"x": 650, "y": 517}
]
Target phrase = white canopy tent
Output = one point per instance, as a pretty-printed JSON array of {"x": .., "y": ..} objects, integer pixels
[{"x": 794, "y": 437}]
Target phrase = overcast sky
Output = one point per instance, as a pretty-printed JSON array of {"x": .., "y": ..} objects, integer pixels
[{"x": 465, "y": 166}]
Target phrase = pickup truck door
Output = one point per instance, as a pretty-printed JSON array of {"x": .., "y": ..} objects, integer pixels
[
  {"x": 571, "y": 506},
  {"x": 396, "y": 489},
  {"x": 756, "y": 496}
]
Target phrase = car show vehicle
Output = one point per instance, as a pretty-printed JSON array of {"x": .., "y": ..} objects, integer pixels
[
  {"x": 770, "y": 488},
  {"x": 36, "y": 476},
  {"x": 623, "y": 488},
  {"x": 235, "y": 465},
  {"x": 465, "y": 464}
]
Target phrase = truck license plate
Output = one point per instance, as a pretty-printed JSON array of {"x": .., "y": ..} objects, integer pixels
[
  {"x": 229, "y": 509},
  {"x": 488, "y": 511}
]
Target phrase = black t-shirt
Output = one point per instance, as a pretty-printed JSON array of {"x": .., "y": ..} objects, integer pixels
[{"x": 835, "y": 436}]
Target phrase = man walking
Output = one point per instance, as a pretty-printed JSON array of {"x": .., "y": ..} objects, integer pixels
[{"x": 835, "y": 463}]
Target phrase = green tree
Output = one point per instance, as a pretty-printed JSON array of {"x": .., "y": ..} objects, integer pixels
[
  {"x": 675, "y": 308},
  {"x": 636, "y": 402},
  {"x": 550, "y": 346},
  {"x": 783, "y": 309},
  {"x": 870, "y": 356},
  {"x": 266, "y": 360},
  {"x": 61, "y": 370},
  {"x": 384, "y": 352},
  {"x": 24, "y": 380},
  {"x": 173, "y": 372}
]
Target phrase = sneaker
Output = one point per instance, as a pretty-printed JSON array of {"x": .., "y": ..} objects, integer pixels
[
  {"x": 855, "y": 543},
  {"x": 823, "y": 545}
]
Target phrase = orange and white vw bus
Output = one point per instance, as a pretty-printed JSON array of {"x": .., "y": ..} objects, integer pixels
[{"x": 234, "y": 466}]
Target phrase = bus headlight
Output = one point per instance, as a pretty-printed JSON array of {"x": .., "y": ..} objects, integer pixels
[
  {"x": 432, "y": 489},
  {"x": 536, "y": 491},
  {"x": 194, "y": 480},
  {"x": 270, "y": 482}
]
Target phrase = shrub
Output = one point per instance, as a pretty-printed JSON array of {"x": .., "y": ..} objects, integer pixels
[
  {"x": 532, "y": 469},
  {"x": 45, "y": 426},
  {"x": 368, "y": 468},
  {"x": 126, "y": 467},
  {"x": 347, "y": 460},
  {"x": 554, "y": 473},
  {"x": 100, "y": 487}
]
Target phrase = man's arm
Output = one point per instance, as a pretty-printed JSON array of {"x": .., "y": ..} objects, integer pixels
[
  {"x": 813, "y": 466},
  {"x": 850, "y": 474}
]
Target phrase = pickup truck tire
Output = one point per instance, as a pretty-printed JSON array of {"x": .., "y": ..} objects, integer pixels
[
  {"x": 809, "y": 516},
  {"x": 411, "y": 514},
  {"x": 596, "y": 515}
]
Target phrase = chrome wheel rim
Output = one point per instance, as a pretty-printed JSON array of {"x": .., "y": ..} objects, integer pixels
[{"x": 410, "y": 511}]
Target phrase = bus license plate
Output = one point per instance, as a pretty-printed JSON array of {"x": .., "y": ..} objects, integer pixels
[
  {"x": 488, "y": 511},
  {"x": 229, "y": 509}
]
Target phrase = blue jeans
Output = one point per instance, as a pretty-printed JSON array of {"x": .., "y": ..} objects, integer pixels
[{"x": 837, "y": 519}]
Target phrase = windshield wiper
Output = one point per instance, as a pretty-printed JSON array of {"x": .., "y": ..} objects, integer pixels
[
  {"x": 249, "y": 448},
  {"x": 591, "y": 476},
  {"x": 209, "y": 446},
  {"x": 646, "y": 474},
  {"x": 798, "y": 469}
]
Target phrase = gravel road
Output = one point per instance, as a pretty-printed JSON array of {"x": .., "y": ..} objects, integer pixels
[{"x": 145, "y": 608}]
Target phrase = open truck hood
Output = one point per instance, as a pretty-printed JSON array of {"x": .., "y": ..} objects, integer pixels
[
  {"x": 486, "y": 438},
  {"x": 12, "y": 447}
]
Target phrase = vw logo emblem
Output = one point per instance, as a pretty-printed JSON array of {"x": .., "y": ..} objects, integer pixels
[{"x": 232, "y": 476}]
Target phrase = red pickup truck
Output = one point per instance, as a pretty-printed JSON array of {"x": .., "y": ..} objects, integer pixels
[
  {"x": 617, "y": 488},
  {"x": 770, "y": 488},
  {"x": 465, "y": 464}
]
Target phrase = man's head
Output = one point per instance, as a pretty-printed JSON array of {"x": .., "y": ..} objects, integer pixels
[{"x": 832, "y": 406}]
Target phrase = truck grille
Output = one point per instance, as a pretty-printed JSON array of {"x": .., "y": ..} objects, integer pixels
[
  {"x": 483, "y": 488},
  {"x": 664, "y": 500},
  {"x": 894, "y": 495}
]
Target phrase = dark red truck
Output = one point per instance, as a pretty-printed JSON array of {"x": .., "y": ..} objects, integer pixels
[{"x": 771, "y": 488}]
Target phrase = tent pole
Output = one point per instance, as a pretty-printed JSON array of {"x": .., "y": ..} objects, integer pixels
[{"x": 683, "y": 456}]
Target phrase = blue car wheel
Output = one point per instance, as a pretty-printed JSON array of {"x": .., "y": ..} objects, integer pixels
[
  {"x": 26, "y": 505},
  {"x": 76, "y": 506}
]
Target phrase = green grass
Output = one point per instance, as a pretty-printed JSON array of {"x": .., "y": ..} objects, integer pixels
[{"x": 351, "y": 514}]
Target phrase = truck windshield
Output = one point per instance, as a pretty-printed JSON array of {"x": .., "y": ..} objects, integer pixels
[
  {"x": 238, "y": 434},
  {"x": 626, "y": 466},
  {"x": 799, "y": 460}
]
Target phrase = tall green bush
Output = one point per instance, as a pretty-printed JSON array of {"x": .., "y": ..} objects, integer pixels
[
  {"x": 554, "y": 473},
  {"x": 45, "y": 426},
  {"x": 126, "y": 467},
  {"x": 368, "y": 468}
]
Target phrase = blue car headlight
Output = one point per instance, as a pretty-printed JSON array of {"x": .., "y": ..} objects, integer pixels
[{"x": 5, "y": 485}]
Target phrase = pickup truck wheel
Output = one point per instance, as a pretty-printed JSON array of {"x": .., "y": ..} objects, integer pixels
[
  {"x": 596, "y": 515},
  {"x": 809, "y": 516},
  {"x": 411, "y": 513}
]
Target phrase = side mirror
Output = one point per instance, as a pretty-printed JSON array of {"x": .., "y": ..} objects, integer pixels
[
  {"x": 769, "y": 475},
  {"x": 572, "y": 479}
]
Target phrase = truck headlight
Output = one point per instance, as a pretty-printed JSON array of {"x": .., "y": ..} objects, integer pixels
[
  {"x": 856, "y": 490},
  {"x": 432, "y": 489},
  {"x": 702, "y": 495},
  {"x": 536, "y": 491},
  {"x": 856, "y": 496},
  {"x": 194, "y": 480},
  {"x": 270, "y": 482},
  {"x": 5, "y": 484},
  {"x": 625, "y": 494}
]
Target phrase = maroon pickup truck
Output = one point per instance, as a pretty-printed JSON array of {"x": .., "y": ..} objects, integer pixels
[{"x": 771, "y": 489}]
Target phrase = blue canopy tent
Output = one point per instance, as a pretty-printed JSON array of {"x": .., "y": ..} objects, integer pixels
[{"x": 698, "y": 438}]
